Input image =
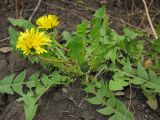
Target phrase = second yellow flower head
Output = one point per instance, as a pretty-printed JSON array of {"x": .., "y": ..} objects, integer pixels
[{"x": 47, "y": 21}]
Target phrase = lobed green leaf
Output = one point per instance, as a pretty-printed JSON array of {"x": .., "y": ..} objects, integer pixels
[{"x": 21, "y": 23}]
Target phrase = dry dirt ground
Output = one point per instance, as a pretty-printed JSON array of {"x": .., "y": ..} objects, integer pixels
[{"x": 56, "y": 105}]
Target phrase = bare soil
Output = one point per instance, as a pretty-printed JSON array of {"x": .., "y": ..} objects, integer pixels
[{"x": 70, "y": 105}]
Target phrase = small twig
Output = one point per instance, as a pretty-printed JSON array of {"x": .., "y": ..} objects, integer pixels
[
  {"x": 135, "y": 13},
  {"x": 70, "y": 115},
  {"x": 149, "y": 19},
  {"x": 130, "y": 100},
  {"x": 4, "y": 39},
  {"x": 132, "y": 6},
  {"x": 17, "y": 8},
  {"x": 76, "y": 104},
  {"x": 82, "y": 101},
  {"x": 21, "y": 11},
  {"x": 35, "y": 10},
  {"x": 144, "y": 15},
  {"x": 72, "y": 99}
]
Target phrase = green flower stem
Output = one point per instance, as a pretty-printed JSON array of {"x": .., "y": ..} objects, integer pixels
[
  {"x": 56, "y": 60},
  {"x": 60, "y": 46}
]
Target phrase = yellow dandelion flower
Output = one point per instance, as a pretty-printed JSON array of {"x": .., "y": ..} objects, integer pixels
[
  {"x": 47, "y": 21},
  {"x": 33, "y": 42}
]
